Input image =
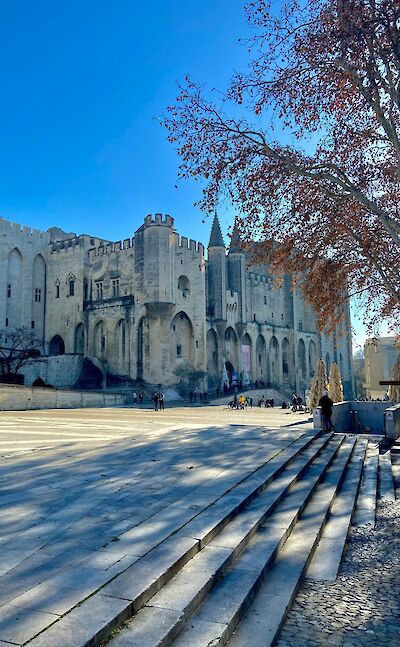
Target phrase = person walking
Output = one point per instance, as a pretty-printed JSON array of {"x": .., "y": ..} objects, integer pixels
[
  {"x": 326, "y": 405},
  {"x": 156, "y": 399},
  {"x": 161, "y": 401}
]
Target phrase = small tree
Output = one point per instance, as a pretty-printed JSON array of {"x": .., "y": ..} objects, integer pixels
[
  {"x": 319, "y": 384},
  {"x": 16, "y": 349},
  {"x": 335, "y": 384}
]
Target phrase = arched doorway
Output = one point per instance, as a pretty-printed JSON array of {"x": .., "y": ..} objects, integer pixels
[
  {"x": 182, "y": 339},
  {"x": 56, "y": 346}
]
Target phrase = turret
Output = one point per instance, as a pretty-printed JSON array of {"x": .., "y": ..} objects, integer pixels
[
  {"x": 216, "y": 272},
  {"x": 237, "y": 268},
  {"x": 156, "y": 241}
]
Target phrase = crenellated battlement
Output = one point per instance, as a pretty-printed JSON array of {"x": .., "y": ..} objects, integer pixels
[
  {"x": 69, "y": 245},
  {"x": 111, "y": 248},
  {"x": 158, "y": 219},
  {"x": 259, "y": 278},
  {"x": 8, "y": 228},
  {"x": 185, "y": 244}
]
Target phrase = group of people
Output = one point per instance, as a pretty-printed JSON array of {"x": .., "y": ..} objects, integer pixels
[
  {"x": 240, "y": 402},
  {"x": 193, "y": 396},
  {"x": 138, "y": 397},
  {"x": 266, "y": 402},
  {"x": 158, "y": 399}
]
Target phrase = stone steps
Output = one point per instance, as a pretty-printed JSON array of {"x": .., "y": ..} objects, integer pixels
[
  {"x": 223, "y": 563},
  {"x": 167, "y": 612},
  {"x": 366, "y": 502},
  {"x": 163, "y": 547},
  {"x": 328, "y": 554},
  {"x": 386, "y": 477}
]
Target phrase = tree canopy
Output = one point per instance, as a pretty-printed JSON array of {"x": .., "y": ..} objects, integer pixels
[{"x": 305, "y": 144}]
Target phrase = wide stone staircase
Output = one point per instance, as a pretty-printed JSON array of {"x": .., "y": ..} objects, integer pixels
[{"x": 228, "y": 558}]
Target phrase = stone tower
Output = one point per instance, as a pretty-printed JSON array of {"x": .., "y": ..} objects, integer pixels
[
  {"x": 216, "y": 273},
  {"x": 236, "y": 263}
]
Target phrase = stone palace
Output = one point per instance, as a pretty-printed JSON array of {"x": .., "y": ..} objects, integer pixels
[{"x": 153, "y": 309}]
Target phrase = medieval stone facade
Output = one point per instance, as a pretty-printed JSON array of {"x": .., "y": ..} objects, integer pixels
[{"x": 151, "y": 308}]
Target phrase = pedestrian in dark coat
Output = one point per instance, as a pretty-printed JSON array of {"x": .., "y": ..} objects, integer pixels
[{"x": 326, "y": 405}]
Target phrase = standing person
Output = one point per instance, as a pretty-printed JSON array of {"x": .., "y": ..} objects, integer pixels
[
  {"x": 251, "y": 403},
  {"x": 326, "y": 405},
  {"x": 156, "y": 399},
  {"x": 161, "y": 401},
  {"x": 134, "y": 397}
]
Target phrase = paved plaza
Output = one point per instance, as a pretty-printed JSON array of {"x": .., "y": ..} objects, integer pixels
[
  {"x": 74, "y": 481},
  {"x": 86, "y": 495}
]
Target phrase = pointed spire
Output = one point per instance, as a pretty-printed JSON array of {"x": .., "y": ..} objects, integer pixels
[
  {"x": 236, "y": 246},
  {"x": 216, "y": 239}
]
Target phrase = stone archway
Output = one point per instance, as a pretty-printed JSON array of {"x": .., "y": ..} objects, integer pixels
[
  {"x": 56, "y": 346},
  {"x": 182, "y": 340}
]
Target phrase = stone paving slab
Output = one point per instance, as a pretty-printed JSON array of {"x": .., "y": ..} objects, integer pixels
[{"x": 19, "y": 625}]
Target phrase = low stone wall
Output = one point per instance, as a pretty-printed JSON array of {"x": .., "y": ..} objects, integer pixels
[
  {"x": 392, "y": 422},
  {"x": 368, "y": 417},
  {"x": 61, "y": 371},
  {"x": 22, "y": 398}
]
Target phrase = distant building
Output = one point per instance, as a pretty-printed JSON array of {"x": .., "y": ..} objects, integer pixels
[
  {"x": 380, "y": 355},
  {"x": 153, "y": 309}
]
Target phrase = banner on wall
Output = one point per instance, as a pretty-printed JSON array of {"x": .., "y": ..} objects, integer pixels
[{"x": 246, "y": 358}]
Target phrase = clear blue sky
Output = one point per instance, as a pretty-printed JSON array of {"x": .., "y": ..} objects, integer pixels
[{"x": 81, "y": 84}]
